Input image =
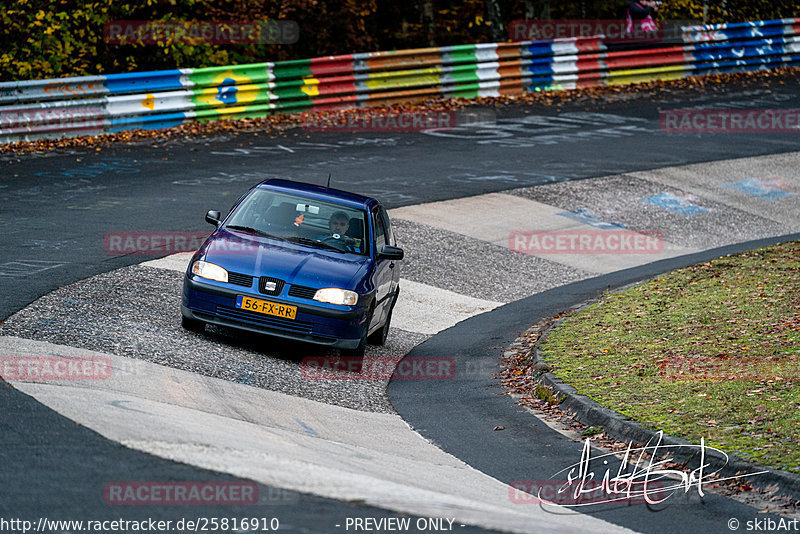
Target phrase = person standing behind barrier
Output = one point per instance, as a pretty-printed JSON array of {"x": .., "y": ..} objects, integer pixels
[{"x": 641, "y": 12}]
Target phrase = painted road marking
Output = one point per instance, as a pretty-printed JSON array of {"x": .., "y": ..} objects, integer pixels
[
  {"x": 308, "y": 429},
  {"x": 22, "y": 268},
  {"x": 587, "y": 216},
  {"x": 767, "y": 189},
  {"x": 535, "y": 130},
  {"x": 682, "y": 204},
  {"x": 119, "y": 404},
  {"x": 706, "y": 181}
]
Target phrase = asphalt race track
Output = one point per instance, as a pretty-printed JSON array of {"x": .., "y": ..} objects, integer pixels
[
  {"x": 85, "y": 195},
  {"x": 219, "y": 407}
]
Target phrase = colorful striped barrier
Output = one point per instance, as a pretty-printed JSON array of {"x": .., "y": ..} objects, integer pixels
[{"x": 38, "y": 109}]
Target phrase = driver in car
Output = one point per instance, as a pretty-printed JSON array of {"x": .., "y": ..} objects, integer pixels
[{"x": 338, "y": 224}]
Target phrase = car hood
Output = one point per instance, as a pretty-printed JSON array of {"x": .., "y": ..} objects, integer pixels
[{"x": 293, "y": 263}]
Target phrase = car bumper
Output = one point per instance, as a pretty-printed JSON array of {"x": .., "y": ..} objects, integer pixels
[{"x": 312, "y": 324}]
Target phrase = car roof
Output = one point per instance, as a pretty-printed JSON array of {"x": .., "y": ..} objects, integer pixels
[{"x": 319, "y": 192}]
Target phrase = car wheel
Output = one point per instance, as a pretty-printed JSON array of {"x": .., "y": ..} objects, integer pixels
[
  {"x": 192, "y": 325},
  {"x": 379, "y": 337}
]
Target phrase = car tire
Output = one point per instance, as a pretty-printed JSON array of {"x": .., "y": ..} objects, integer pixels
[
  {"x": 379, "y": 336},
  {"x": 192, "y": 325}
]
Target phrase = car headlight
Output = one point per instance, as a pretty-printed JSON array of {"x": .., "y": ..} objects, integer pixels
[
  {"x": 204, "y": 269},
  {"x": 334, "y": 295}
]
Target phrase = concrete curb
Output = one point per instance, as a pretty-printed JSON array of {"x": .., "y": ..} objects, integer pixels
[{"x": 618, "y": 426}]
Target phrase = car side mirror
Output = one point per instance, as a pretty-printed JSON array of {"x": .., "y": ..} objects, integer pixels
[
  {"x": 390, "y": 253},
  {"x": 213, "y": 217}
]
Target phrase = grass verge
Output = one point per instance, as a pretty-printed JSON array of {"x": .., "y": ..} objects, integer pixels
[{"x": 708, "y": 351}]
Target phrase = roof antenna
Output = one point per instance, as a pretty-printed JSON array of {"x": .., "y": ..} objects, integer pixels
[{"x": 329, "y": 182}]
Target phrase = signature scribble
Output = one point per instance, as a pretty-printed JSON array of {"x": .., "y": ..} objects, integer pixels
[{"x": 641, "y": 476}]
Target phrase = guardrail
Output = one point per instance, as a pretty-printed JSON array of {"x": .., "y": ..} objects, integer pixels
[{"x": 88, "y": 105}]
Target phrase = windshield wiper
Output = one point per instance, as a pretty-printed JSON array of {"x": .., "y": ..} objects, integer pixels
[
  {"x": 313, "y": 243},
  {"x": 249, "y": 229},
  {"x": 256, "y": 231}
]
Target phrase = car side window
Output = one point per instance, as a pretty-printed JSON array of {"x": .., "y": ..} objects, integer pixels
[
  {"x": 387, "y": 227},
  {"x": 380, "y": 231}
]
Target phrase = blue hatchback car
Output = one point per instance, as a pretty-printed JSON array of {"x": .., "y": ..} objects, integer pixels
[{"x": 298, "y": 261}]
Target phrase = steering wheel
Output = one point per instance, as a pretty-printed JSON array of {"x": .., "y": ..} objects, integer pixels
[
  {"x": 341, "y": 242},
  {"x": 337, "y": 243}
]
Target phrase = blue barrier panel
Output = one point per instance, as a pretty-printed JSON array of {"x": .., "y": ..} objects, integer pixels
[{"x": 144, "y": 82}]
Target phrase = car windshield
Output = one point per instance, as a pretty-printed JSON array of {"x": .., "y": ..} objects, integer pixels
[{"x": 302, "y": 220}]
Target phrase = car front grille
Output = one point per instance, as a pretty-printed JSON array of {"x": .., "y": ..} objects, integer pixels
[
  {"x": 262, "y": 282},
  {"x": 240, "y": 279},
  {"x": 302, "y": 292},
  {"x": 264, "y": 320}
]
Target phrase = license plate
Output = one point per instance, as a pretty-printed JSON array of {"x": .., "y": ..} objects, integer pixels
[{"x": 266, "y": 307}]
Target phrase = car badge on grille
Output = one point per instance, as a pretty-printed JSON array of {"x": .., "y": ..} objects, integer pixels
[{"x": 270, "y": 286}]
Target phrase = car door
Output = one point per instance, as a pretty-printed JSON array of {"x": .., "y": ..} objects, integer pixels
[{"x": 382, "y": 278}]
